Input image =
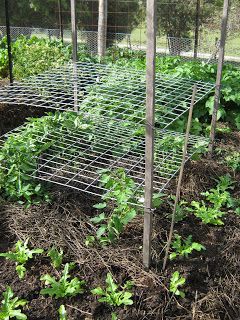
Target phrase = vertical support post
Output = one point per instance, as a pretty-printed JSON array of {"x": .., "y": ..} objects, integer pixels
[
  {"x": 197, "y": 23},
  {"x": 150, "y": 122},
  {"x": 219, "y": 75},
  {"x": 10, "y": 64},
  {"x": 74, "y": 30},
  {"x": 102, "y": 27},
  {"x": 74, "y": 53},
  {"x": 60, "y": 19}
]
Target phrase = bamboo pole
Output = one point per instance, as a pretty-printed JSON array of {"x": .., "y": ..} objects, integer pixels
[
  {"x": 10, "y": 64},
  {"x": 219, "y": 75},
  {"x": 102, "y": 28},
  {"x": 180, "y": 175},
  {"x": 150, "y": 122}
]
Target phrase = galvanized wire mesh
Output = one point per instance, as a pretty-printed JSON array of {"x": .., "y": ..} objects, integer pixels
[
  {"x": 109, "y": 91},
  {"x": 76, "y": 158}
]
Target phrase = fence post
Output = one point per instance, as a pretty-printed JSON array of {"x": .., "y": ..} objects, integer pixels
[
  {"x": 74, "y": 30},
  {"x": 10, "y": 64},
  {"x": 197, "y": 23},
  {"x": 60, "y": 19},
  {"x": 102, "y": 27},
  {"x": 219, "y": 75},
  {"x": 150, "y": 122}
]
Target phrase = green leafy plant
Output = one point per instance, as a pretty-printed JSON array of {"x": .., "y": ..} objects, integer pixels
[
  {"x": 207, "y": 214},
  {"x": 19, "y": 155},
  {"x": 56, "y": 257},
  {"x": 112, "y": 295},
  {"x": 64, "y": 287},
  {"x": 121, "y": 188},
  {"x": 183, "y": 248},
  {"x": 233, "y": 161},
  {"x": 177, "y": 281},
  {"x": 21, "y": 254},
  {"x": 62, "y": 312},
  {"x": 10, "y": 306}
]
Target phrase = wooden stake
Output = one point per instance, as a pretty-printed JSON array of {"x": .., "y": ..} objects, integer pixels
[
  {"x": 219, "y": 75},
  {"x": 150, "y": 122},
  {"x": 74, "y": 54},
  {"x": 102, "y": 28},
  {"x": 180, "y": 175}
]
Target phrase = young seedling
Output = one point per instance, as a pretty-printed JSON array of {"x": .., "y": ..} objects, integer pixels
[
  {"x": 112, "y": 295},
  {"x": 62, "y": 313},
  {"x": 183, "y": 248},
  {"x": 233, "y": 161},
  {"x": 208, "y": 215},
  {"x": 176, "y": 282},
  {"x": 21, "y": 255},
  {"x": 56, "y": 257},
  {"x": 10, "y": 306},
  {"x": 64, "y": 287},
  {"x": 220, "y": 197}
]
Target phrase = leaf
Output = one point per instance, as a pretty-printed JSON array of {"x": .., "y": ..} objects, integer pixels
[
  {"x": 101, "y": 231},
  {"x": 100, "y": 205},
  {"x": 62, "y": 313},
  {"x": 101, "y": 217},
  {"x": 20, "y": 271},
  {"x": 129, "y": 216},
  {"x": 98, "y": 291}
]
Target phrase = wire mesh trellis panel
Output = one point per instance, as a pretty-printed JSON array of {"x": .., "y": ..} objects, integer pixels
[
  {"x": 75, "y": 158},
  {"x": 109, "y": 91}
]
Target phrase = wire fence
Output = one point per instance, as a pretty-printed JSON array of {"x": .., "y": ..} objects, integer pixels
[{"x": 126, "y": 26}]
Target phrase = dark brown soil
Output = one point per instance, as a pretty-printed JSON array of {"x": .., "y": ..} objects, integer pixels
[{"x": 212, "y": 276}]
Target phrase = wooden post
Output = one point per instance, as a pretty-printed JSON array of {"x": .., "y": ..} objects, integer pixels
[
  {"x": 74, "y": 30},
  {"x": 10, "y": 64},
  {"x": 74, "y": 54},
  {"x": 196, "y": 38},
  {"x": 150, "y": 122},
  {"x": 102, "y": 27},
  {"x": 60, "y": 19},
  {"x": 219, "y": 75}
]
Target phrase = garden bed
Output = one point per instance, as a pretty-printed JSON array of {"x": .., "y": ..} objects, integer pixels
[{"x": 212, "y": 277}]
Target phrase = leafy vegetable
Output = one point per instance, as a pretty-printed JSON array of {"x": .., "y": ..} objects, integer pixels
[
  {"x": 21, "y": 255},
  {"x": 64, "y": 287},
  {"x": 112, "y": 295},
  {"x": 10, "y": 306}
]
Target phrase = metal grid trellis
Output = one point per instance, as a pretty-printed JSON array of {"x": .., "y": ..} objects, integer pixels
[
  {"x": 76, "y": 157},
  {"x": 109, "y": 91}
]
